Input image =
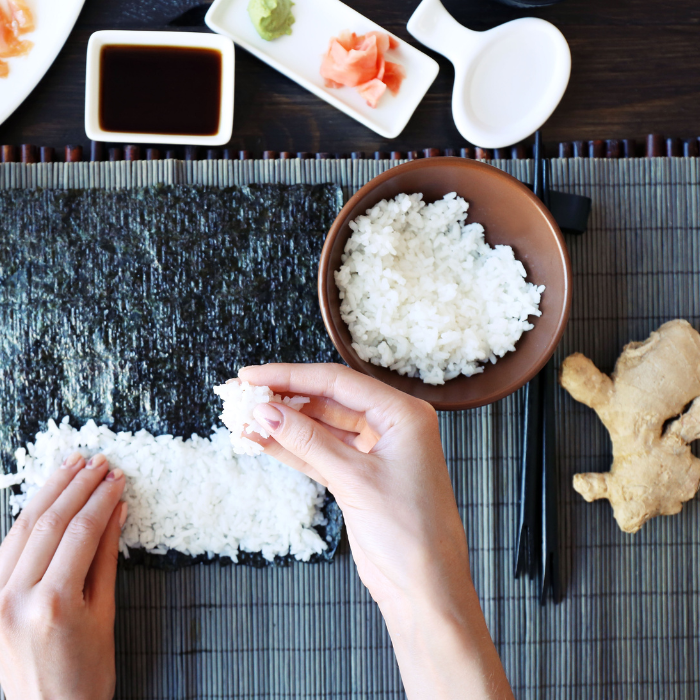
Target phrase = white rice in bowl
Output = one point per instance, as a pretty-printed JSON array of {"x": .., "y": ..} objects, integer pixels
[{"x": 423, "y": 294}]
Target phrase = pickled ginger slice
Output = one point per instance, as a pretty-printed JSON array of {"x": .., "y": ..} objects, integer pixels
[
  {"x": 394, "y": 74},
  {"x": 350, "y": 67},
  {"x": 358, "y": 61},
  {"x": 372, "y": 91}
]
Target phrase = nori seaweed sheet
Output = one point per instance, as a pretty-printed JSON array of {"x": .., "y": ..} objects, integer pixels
[{"x": 128, "y": 306}]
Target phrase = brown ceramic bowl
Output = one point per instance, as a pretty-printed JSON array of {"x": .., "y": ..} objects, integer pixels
[{"x": 511, "y": 215}]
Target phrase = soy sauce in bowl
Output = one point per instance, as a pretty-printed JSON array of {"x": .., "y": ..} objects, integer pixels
[{"x": 160, "y": 89}]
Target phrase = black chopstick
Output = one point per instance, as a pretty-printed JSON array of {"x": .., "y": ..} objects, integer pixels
[
  {"x": 529, "y": 487},
  {"x": 549, "y": 524},
  {"x": 528, "y": 523},
  {"x": 538, "y": 509}
]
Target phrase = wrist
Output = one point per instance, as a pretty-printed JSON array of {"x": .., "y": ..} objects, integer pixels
[
  {"x": 443, "y": 646},
  {"x": 431, "y": 641},
  {"x": 410, "y": 612},
  {"x": 437, "y": 580}
]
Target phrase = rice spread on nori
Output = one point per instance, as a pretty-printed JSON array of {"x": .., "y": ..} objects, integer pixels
[{"x": 128, "y": 306}]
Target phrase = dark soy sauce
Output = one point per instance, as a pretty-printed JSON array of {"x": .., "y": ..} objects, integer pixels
[{"x": 160, "y": 89}]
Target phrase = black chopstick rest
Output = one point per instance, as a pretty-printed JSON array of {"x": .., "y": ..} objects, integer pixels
[{"x": 570, "y": 211}]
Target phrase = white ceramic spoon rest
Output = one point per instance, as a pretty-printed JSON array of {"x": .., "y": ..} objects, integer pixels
[{"x": 508, "y": 80}]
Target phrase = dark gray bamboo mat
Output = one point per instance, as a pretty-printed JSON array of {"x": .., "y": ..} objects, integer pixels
[{"x": 629, "y": 626}]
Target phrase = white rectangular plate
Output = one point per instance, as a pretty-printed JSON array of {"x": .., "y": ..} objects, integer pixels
[{"x": 299, "y": 55}]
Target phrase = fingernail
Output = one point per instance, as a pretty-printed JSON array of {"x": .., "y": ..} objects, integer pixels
[
  {"x": 114, "y": 475},
  {"x": 269, "y": 416},
  {"x": 123, "y": 513},
  {"x": 96, "y": 461},
  {"x": 72, "y": 461}
]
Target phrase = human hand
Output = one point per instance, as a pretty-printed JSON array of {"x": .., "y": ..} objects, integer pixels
[
  {"x": 58, "y": 568},
  {"x": 379, "y": 453}
]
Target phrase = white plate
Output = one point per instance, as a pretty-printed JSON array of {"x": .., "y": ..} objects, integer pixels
[
  {"x": 299, "y": 54},
  {"x": 53, "y": 20},
  {"x": 508, "y": 80}
]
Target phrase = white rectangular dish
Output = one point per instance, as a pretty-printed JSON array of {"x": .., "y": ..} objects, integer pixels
[
  {"x": 198, "y": 40},
  {"x": 299, "y": 55}
]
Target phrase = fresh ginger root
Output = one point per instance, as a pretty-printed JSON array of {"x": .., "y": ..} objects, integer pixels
[{"x": 653, "y": 471}]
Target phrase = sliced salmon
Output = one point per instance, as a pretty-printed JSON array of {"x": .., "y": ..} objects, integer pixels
[
  {"x": 15, "y": 20},
  {"x": 21, "y": 15}
]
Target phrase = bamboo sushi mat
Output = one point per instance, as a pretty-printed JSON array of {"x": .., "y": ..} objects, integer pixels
[{"x": 629, "y": 625}]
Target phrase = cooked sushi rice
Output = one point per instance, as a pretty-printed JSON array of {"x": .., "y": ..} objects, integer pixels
[
  {"x": 240, "y": 399},
  {"x": 423, "y": 294},
  {"x": 194, "y": 496}
]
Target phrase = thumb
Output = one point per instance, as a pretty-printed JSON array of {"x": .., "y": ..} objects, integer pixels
[
  {"x": 101, "y": 579},
  {"x": 306, "y": 439}
]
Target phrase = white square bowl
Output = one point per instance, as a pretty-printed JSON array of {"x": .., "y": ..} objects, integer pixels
[
  {"x": 299, "y": 54},
  {"x": 195, "y": 40}
]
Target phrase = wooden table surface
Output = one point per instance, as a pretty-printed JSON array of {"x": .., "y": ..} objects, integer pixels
[{"x": 635, "y": 70}]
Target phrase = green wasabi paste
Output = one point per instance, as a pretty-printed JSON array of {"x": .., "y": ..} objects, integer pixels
[{"x": 271, "y": 18}]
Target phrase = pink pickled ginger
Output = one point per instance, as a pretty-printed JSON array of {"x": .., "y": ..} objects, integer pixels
[{"x": 358, "y": 61}]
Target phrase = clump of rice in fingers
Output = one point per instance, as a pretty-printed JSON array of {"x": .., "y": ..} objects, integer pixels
[{"x": 240, "y": 399}]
